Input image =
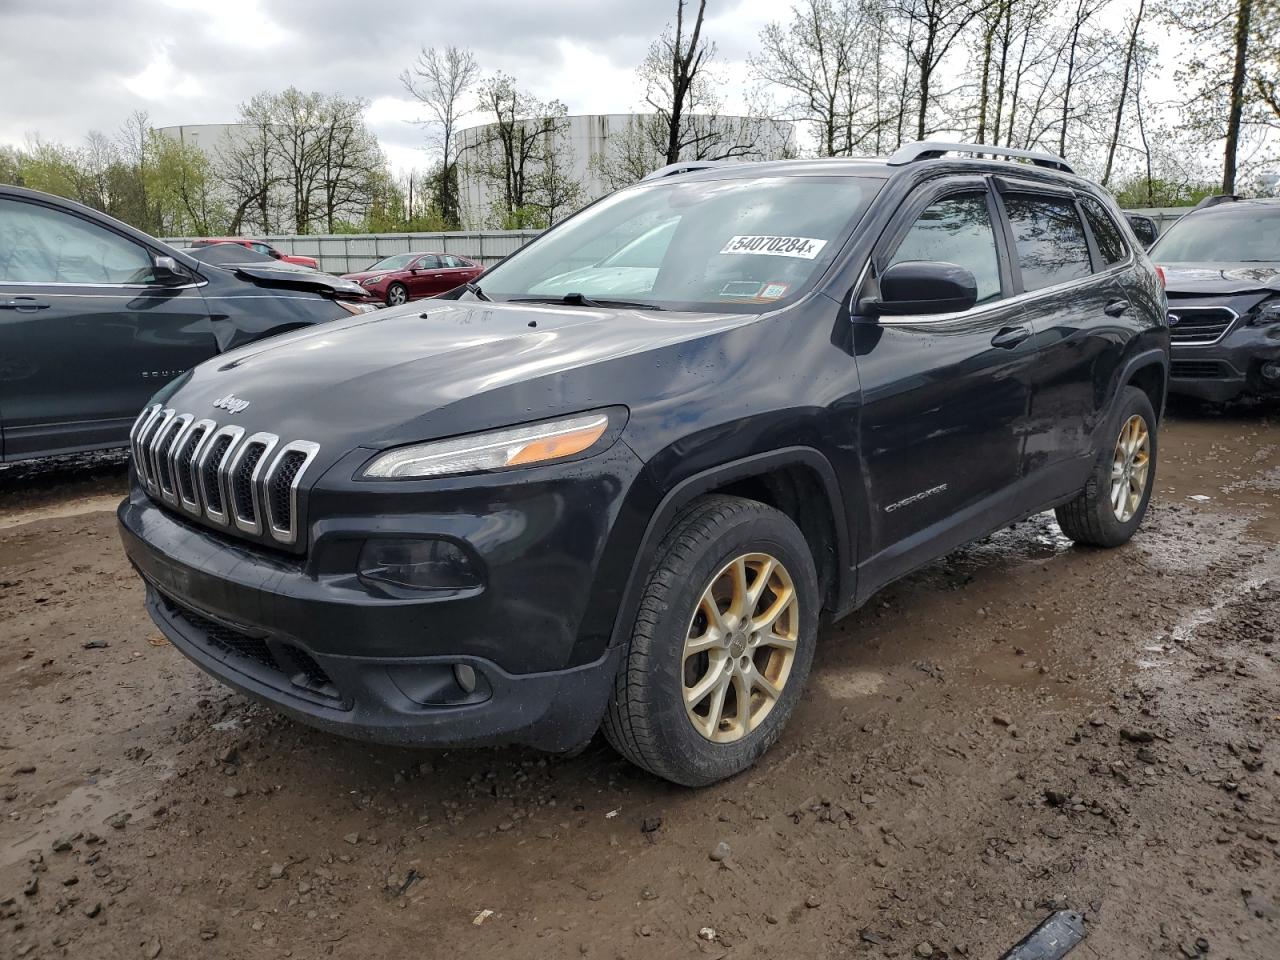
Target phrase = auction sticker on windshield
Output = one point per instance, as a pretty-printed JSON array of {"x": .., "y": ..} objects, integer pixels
[{"x": 806, "y": 248}]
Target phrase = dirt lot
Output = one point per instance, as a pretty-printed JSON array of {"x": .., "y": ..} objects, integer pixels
[{"x": 1020, "y": 726}]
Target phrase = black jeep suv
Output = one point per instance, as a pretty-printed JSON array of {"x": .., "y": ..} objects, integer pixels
[
  {"x": 619, "y": 481},
  {"x": 1222, "y": 265}
]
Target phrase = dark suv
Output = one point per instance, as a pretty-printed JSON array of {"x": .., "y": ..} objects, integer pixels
[
  {"x": 522, "y": 513},
  {"x": 1222, "y": 265},
  {"x": 95, "y": 316}
]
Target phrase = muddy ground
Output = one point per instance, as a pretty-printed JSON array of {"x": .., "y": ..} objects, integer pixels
[{"x": 1020, "y": 726}]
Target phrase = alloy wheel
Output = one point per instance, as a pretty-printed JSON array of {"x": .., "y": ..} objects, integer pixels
[
  {"x": 397, "y": 296},
  {"x": 1130, "y": 468},
  {"x": 740, "y": 647}
]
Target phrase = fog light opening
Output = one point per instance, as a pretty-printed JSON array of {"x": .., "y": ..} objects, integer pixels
[
  {"x": 465, "y": 676},
  {"x": 1271, "y": 371}
]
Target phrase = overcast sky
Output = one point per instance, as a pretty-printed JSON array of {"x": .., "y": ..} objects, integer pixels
[{"x": 70, "y": 66}]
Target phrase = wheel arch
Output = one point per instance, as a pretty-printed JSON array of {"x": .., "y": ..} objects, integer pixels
[
  {"x": 798, "y": 481},
  {"x": 1149, "y": 372}
]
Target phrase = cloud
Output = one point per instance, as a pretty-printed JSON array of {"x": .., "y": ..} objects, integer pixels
[{"x": 84, "y": 65}]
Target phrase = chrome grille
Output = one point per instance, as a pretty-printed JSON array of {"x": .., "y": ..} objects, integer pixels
[
  {"x": 1199, "y": 326},
  {"x": 248, "y": 483}
]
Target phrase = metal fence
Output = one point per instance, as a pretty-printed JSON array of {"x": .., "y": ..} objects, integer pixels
[{"x": 348, "y": 253}]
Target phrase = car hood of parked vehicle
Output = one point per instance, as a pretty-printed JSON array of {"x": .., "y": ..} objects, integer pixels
[
  {"x": 1225, "y": 278},
  {"x": 254, "y": 266},
  {"x": 379, "y": 379}
]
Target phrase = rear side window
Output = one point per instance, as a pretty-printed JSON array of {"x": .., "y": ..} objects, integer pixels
[
  {"x": 956, "y": 229},
  {"x": 1105, "y": 232},
  {"x": 1048, "y": 238},
  {"x": 42, "y": 245}
]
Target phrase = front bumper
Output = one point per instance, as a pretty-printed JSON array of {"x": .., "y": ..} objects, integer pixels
[
  {"x": 306, "y": 636},
  {"x": 364, "y": 698},
  {"x": 1230, "y": 368}
]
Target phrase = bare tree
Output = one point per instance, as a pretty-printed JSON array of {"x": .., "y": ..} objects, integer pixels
[
  {"x": 512, "y": 150},
  {"x": 439, "y": 80},
  {"x": 820, "y": 59},
  {"x": 1130, "y": 55},
  {"x": 937, "y": 25}
]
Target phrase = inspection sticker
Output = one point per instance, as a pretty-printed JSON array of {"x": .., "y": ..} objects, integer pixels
[{"x": 805, "y": 248}]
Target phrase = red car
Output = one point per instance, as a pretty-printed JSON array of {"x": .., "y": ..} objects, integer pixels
[
  {"x": 411, "y": 276},
  {"x": 262, "y": 247}
]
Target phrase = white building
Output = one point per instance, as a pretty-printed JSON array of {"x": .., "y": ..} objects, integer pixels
[
  {"x": 207, "y": 137},
  {"x": 589, "y": 140}
]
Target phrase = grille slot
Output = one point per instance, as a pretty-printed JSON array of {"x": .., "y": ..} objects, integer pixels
[
  {"x": 281, "y": 488},
  {"x": 223, "y": 638},
  {"x": 282, "y": 665},
  {"x": 186, "y": 481},
  {"x": 242, "y": 482},
  {"x": 249, "y": 483},
  {"x": 1198, "y": 370},
  {"x": 1199, "y": 326},
  {"x": 166, "y": 441}
]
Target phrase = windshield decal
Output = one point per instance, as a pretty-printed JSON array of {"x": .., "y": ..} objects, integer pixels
[{"x": 805, "y": 248}]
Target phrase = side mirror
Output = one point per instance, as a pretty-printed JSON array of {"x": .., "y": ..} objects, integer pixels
[
  {"x": 276, "y": 255},
  {"x": 1144, "y": 228},
  {"x": 166, "y": 270},
  {"x": 924, "y": 287}
]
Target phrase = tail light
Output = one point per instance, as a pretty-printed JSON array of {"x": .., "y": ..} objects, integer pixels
[{"x": 1160, "y": 274}]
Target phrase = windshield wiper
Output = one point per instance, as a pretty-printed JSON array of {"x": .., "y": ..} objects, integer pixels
[
  {"x": 581, "y": 300},
  {"x": 476, "y": 292}
]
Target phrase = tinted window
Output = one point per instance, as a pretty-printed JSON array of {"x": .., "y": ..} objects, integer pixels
[
  {"x": 428, "y": 262},
  {"x": 1105, "y": 232},
  {"x": 452, "y": 261},
  {"x": 42, "y": 245},
  {"x": 755, "y": 242},
  {"x": 398, "y": 262},
  {"x": 1049, "y": 240},
  {"x": 1229, "y": 233},
  {"x": 956, "y": 230}
]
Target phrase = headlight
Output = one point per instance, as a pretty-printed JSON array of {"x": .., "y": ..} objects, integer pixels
[
  {"x": 357, "y": 306},
  {"x": 1265, "y": 313},
  {"x": 370, "y": 281},
  {"x": 495, "y": 450}
]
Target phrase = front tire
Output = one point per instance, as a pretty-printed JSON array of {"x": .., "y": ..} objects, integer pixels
[
  {"x": 722, "y": 644},
  {"x": 1111, "y": 507},
  {"x": 397, "y": 294}
]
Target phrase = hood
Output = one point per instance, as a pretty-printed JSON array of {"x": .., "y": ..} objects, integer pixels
[
  {"x": 277, "y": 274},
  {"x": 1224, "y": 278},
  {"x": 379, "y": 379}
]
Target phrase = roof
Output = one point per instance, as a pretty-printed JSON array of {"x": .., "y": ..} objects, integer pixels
[{"x": 908, "y": 159}]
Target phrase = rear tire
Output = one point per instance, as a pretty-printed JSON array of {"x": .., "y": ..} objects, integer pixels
[
  {"x": 752, "y": 565},
  {"x": 397, "y": 294},
  {"x": 1111, "y": 507}
]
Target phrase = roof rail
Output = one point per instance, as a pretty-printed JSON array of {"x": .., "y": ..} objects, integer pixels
[
  {"x": 1215, "y": 200},
  {"x": 934, "y": 149},
  {"x": 684, "y": 166}
]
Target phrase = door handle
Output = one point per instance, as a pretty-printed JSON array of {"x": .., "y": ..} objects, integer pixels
[
  {"x": 1116, "y": 308},
  {"x": 24, "y": 304},
  {"x": 1010, "y": 337}
]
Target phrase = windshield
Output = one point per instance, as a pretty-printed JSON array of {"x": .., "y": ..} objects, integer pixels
[
  {"x": 753, "y": 242},
  {"x": 398, "y": 262},
  {"x": 1229, "y": 234}
]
